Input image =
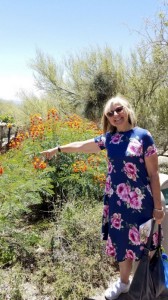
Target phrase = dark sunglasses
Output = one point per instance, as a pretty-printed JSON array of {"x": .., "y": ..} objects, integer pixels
[{"x": 117, "y": 110}]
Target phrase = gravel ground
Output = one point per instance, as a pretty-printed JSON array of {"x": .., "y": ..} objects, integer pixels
[{"x": 29, "y": 290}]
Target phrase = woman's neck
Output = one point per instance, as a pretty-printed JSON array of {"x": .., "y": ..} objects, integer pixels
[{"x": 125, "y": 128}]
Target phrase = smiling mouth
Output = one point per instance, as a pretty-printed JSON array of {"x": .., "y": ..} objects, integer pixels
[{"x": 116, "y": 120}]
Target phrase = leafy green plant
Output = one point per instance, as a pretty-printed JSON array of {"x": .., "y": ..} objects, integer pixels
[
  {"x": 71, "y": 184},
  {"x": 77, "y": 253},
  {"x": 6, "y": 118},
  {"x": 7, "y": 254}
]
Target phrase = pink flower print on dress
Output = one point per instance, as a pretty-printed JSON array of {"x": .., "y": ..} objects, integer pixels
[
  {"x": 134, "y": 236},
  {"x": 130, "y": 170},
  {"x": 130, "y": 254},
  {"x": 139, "y": 193},
  {"x": 110, "y": 167},
  {"x": 135, "y": 201},
  {"x": 123, "y": 191},
  {"x": 101, "y": 143},
  {"x": 155, "y": 238},
  {"x": 116, "y": 138},
  {"x": 150, "y": 150},
  {"x": 105, "y": 214},
  {"x": 108, "y": 188},
  {"x": 110, "y": 249},
  {"x": 135, "y": 148},
  {"x": 116, "y": 221},
  {"x": 105, "y": 211}
]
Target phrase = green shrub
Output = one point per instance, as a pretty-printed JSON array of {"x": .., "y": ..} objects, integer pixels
[{"x": 72, "y": 187}]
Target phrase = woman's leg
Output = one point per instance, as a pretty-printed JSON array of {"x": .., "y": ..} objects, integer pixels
[
  {"x": 122, "y": 285},
  {"x": 125, "y": 270}
]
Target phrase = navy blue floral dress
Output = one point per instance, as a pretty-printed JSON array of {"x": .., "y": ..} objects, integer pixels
[{"x": 128, "y": 201}]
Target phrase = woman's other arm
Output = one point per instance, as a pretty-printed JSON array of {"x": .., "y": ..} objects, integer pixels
[{"x": 153, "y": 173}]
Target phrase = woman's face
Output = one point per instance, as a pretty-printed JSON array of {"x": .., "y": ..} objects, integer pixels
[{"x": 118, "y": 117}]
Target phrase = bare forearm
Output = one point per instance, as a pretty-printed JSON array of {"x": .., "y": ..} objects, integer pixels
[
  {"x": 78, "y": 147},
  {"x": 155, "y": 187},
  {"x": 158, "y": 212},
  {"x": 88, "y": 146}
]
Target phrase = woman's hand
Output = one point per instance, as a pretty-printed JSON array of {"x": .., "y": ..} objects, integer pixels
[
  {"x": 48, "y": 154},
  {"x": 158, "y": 215}
]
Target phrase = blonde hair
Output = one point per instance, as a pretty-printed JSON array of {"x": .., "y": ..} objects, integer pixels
[{"x": 124, "y": 102}]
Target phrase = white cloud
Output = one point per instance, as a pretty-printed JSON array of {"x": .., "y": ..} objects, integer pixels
[{"x": 11, "y": 85}]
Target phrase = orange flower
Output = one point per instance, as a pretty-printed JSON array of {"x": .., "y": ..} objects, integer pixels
[
  {"x": 42, "y": 165},
  {"x": 100, "y": 178},
  {"x": 53, "y": 114},
  {"x": 1, "y": 170},
  {"x": 39, "y": 164},
  {"x": 79, "y": 166}
]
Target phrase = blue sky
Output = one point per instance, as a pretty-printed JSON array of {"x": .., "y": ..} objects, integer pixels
[{"x": 63, "y": 27}]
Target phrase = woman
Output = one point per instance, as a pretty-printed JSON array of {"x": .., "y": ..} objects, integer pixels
[{"x": 132, "y": 191}]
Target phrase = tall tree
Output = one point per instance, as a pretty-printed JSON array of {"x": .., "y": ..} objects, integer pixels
[
  {"x": 84, "y": 81},
  {"x": 148, "y": 77}
]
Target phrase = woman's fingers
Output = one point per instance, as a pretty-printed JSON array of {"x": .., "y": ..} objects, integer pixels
[
  {"x": 48, "y": 154},
  {"x": 159, "y": 215}
]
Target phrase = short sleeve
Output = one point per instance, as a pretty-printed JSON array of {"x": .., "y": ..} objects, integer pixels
[
  {"x": 149, "y": 145},
  {"x": 101, "y": 141}
]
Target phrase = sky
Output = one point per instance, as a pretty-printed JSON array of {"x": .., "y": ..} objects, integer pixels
[{"x": 60, "y": 28}]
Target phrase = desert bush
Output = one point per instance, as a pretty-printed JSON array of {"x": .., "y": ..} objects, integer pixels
[
  {"x": 29, "y": 181},
  {"x": 78, "y": 264}
]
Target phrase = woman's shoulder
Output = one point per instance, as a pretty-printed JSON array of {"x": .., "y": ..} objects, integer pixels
[
  {"x": 141, "y": 131},
  {"x": 143, "y": 135}
]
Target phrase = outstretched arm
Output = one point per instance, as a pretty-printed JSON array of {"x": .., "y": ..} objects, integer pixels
[{"x": 88, "y": 146}]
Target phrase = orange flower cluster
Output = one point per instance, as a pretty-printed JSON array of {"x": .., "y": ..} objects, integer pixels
[
  {"x": 79, "y": 166},
  {"x": 36, "y": 127},
  {"x": 52, "y": 118},
  {"x": 91, "y": 125},
  {"x": 16, "y": 142},
  {"x": 94, "y": 160},
  {"x": 74, "y": 121},
  {"x": 1, "y": 170},
  {"x": 101, "y": 178},
  {"x": 99, "y": 131},
  {"x": 39, "y": 164},
  {"x": 53, "y": 114}
]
